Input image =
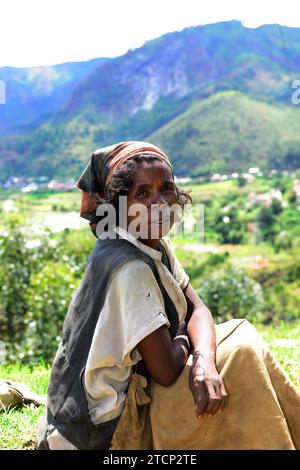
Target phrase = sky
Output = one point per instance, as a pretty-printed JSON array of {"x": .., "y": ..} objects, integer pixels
[{"x": 46, "y": 32}]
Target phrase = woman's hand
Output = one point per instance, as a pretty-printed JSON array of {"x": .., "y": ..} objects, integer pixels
[{"x": 206, "y": 385}]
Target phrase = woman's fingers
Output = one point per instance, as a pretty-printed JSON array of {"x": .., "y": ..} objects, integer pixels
[
  {"x": 218, "y": 397},
  {"x": 199, "y": 392},
  {"x": 224, "y": 396},
  {"x": 214, "y": 399},
  {"x": 208, "y": 390},
  {"x": 201, "y": 399}
]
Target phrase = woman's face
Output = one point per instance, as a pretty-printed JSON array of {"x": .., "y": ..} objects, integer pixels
[{"x": 154, "y": 189}]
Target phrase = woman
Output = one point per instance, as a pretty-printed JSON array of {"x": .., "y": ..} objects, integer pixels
[{"x": 136, "y": 333}]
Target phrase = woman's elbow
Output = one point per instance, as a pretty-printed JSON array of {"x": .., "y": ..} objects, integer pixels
[{"x": 168, "y": 378}]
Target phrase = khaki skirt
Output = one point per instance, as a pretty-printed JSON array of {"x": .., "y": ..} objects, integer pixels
[{"x": 263, "y": 411}]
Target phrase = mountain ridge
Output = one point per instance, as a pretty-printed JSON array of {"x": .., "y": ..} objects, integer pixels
[{"x": 138, "y": 94}]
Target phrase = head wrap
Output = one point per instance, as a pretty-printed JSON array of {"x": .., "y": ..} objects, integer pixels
[{"x": 100, "y": 169}]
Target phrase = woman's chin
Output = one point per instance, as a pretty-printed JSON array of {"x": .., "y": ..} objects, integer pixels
[{"x": 159, "y": 230}]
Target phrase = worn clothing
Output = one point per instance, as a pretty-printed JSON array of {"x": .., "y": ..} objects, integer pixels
[
  {"x": 263, "y": 410},
  {"x": 122, "y": 322},
  {"x": 133, "y": 309}
]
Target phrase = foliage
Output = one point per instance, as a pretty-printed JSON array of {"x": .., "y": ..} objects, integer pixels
[
  {"x": 209, "y": 118},
  {"x": 15, "y": 271},
  {"x": 281, "y": 302},
  {"x": 241, "y": 181},
  {"x": 227, "y": 132},
  {"x": 230, "y": 293},
  {"x": 36, "y": 285},
  {"x": 43, "y": 297},
  {"x": 48, "y": 296},
  {"x": 283, "y": 241},
  {"x": 199, "y": 266},
  {"x": 230, "y": 227},
  {"x": 266, "y": 220},
  {"x": 77, "y": 246},
  {"x": 283, "y": 341}
]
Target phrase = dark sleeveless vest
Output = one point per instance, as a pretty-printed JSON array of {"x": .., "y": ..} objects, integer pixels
[{"x": 67, "y": 407}]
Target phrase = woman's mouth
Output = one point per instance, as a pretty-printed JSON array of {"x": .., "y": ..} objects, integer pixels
[{"x": 160, "y": 222}]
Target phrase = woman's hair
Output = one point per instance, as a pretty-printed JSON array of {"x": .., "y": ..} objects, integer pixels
[{"x": 123, "y": 178}]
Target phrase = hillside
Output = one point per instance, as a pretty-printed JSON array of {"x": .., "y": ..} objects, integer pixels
[
  {"x": 230, "y": 132},
  {"x": 34, "y": 94},
  {"x": 192, "y": 63},
  {"x": 150, "y": 91}
]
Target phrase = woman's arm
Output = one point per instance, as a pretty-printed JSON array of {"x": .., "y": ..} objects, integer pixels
[
  {"x": 163, "y": 357},
  {"x": 200, "y": 326},
  {"x": 206, "y": 384}
]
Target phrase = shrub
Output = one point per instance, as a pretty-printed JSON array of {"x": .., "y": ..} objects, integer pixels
[
  {"x": 48, "y": 296},
  {"x": 36, "y": 284},
  {"x": 231, "y": 294},
  {"x": 15, "y": 271},
  {"x": 281, "y": 303},
  {"x": 283, "y": 241},
  {"x": 230, "y": 227}
]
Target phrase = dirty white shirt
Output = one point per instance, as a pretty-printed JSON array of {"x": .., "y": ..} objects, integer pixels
[{"x": 133, "y": 309}]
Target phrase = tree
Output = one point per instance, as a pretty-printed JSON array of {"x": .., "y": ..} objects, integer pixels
[{"x": 15, "y": 270}]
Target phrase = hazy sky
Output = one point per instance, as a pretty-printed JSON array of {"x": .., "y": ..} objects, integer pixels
[{"x": 44, "y": 32}]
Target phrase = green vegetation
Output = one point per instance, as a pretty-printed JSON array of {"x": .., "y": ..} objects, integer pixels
[
  {"x": 34, "y": 302},
  {"x": 224, "y": 118},
  {"x": 284, "y": 343},
  {"x": 216, "y": 97},
  {"x": 228, "y": 131},
  {"x": 17, "y": 426},
  {"x": 249, "y": 266},
  {"x": 249, "y": 270},
  {"x": 231, "y": 294}
]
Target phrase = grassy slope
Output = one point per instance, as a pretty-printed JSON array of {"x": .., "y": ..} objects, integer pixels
[
  {"x": 227, "y": 132},
  {"x": 17, "y": 426}
]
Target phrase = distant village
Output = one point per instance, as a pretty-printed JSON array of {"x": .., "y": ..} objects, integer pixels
[
  {"x": 264, "y": 199},
  {"x": 42, "y": 183},
  {"x": 31, "y": 184}
]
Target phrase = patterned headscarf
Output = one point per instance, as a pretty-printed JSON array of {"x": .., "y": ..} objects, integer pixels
[{"x": 99, "y": 171}]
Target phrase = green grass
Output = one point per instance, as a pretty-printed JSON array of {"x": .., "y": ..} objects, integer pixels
[
  {"x": 43, "y": 202},
  {"x": 17, "y": 426},
  {"x": 209, "y": 189},
  {"x": 284, "y": 343}
]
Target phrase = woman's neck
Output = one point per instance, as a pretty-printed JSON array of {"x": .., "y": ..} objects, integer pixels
[{"x": 152, "y": 243}]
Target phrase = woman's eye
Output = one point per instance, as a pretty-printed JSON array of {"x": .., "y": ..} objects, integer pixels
[
  {"x": 168, "y": 188},
  {"x": 146, "y": 193},
  {"x": 142, "y": 193}
]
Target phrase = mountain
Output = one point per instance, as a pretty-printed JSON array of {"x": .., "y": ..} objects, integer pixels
[
  {"x": 200, "y": 61},
  {"x": 230, "y": 132},
  {"x": 34, "y": 94},
  {"x": 182, "y": 80}
]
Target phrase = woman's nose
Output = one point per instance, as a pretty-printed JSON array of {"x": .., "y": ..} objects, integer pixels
[{"x": 158, "y": 198}]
